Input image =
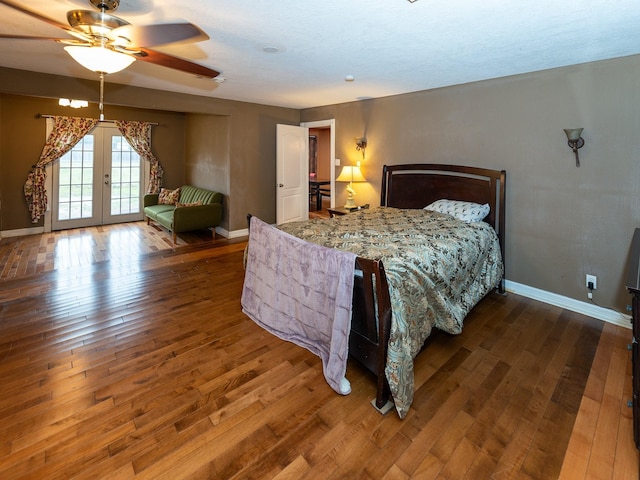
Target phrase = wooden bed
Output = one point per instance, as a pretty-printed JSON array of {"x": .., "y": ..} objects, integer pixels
[
  {"x": 409, "y": 186},
  {"x": 414, "y": 186}
]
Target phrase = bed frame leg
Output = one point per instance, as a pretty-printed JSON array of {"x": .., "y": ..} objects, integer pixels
[
  {"x": 501, "y": 289},
  {"x": 386, "y": 408},
  {"x": 383, "y": 402}
]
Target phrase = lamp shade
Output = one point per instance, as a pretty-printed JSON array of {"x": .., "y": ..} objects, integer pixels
[
  {"x": 100, "y": 59},
  {"x": 351, "y": 173},
  {"x": 573, "y": 134}
]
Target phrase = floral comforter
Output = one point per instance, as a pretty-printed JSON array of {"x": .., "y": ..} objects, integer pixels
[{"x": 437, "y": 268}]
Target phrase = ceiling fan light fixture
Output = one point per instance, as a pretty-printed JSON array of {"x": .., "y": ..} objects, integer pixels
[
  {"x": 99, "y": 59},
  {"x": 65, "y": 102}
]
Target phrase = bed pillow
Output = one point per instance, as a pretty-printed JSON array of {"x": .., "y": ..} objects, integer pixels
[
  {"x": 465, "y": 211},
  {"x": 168, "y": 197}
]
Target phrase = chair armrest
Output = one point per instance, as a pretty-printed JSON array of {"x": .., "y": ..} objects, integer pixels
[
  {"x": 150, "y": 199},
  {"x": 197, "y": 217}
]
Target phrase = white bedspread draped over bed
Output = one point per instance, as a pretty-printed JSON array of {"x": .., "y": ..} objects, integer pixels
[{"x": 301, "y": 292}]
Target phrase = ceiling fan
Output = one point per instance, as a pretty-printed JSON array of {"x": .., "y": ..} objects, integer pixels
[{"x": 106, "y": 44}]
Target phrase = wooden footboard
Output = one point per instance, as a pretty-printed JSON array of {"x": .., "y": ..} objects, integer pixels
[{"x": 371, "y": 323}]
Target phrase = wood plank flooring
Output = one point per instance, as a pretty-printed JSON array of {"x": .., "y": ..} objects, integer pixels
[
  {"x": 144, "y": 366},
  {"x": 119, "y": 243}
]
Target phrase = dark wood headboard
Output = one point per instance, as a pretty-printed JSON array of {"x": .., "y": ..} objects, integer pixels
[{"x": 417, "y": 185}]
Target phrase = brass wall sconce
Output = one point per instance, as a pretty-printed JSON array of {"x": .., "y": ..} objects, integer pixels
[
  {"x": 575, "y": 141},
  {"x": 361, "y": 144}
]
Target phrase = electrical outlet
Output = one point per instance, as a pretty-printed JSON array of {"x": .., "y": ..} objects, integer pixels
[{"x": 593, "y": 280}]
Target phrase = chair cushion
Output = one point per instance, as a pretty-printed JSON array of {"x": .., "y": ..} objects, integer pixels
[{"x": 153, "y": 211}]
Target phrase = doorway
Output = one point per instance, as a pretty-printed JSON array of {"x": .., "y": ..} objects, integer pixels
[
  {"x": 321, "y": 163},
  {"x": 98, "y": 182}
]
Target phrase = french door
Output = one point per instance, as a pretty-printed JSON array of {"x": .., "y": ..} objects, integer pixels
[{"x": 100, "y": 181}]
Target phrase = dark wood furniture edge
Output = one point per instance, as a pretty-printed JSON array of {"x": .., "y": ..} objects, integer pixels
[
  {"x": 369, "y": 338},
  {"x": 633, "y": 285}
]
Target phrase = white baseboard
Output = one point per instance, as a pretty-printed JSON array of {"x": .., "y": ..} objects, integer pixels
[
  {"x": 21, "y": 232},
  {"x": 238, "y": 233},
  {"x": 585, "y": 308}
]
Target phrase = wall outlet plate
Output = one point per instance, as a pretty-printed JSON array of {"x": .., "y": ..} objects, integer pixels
[{"x": 591, "y": 279}]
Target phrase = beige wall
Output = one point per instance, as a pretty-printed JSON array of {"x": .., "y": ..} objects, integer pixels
[
  {"x": 208, "y": 159},
  {"x": 562, "y": 222},
  {"x": 248, "y": 139}
]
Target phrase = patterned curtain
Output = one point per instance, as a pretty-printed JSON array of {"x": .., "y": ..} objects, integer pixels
[
  {"x": 138, "y": 134},
  {"x": 66, "y": 132}
]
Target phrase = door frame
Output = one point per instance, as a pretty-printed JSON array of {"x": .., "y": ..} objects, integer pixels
[{"x": 331, "y": 124}]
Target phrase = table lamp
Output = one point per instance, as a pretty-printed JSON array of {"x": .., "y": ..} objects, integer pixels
[{"x": 351, "y": 173}]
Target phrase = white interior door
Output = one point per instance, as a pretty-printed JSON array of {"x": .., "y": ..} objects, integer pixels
[
  {"x": 292, "y": 173},
  {"x": 98, "y": 182}
]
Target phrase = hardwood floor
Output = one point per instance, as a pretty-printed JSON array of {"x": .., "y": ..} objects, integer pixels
[
  {"x": 323, "y": 213},
  {"x": 142, "y": 365},
  {"x": 119, "y": 243}
]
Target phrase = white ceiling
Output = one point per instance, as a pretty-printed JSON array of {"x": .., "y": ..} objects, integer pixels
[{"x": 389, "y": 46}]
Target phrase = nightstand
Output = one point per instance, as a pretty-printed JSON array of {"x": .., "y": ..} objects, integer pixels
[{"x": 338, "y": 211}]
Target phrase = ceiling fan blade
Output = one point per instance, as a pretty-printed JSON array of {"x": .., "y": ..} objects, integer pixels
[
  {"x": 161, "y": 34},
  {"x": 66, "y": 41},
  {"x": 33, "y": 14},
  {"x": 176, "y": 63},
  {"x": 28, "y": 37}
]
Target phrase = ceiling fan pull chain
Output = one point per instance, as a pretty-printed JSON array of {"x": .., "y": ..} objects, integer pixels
[{"x": 101, "y": 106}]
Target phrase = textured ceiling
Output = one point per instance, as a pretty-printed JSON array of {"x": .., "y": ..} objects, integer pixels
[{"x": 389, "y": 46}]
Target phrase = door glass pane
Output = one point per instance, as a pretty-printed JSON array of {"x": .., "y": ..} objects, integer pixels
[
  {"x": 75, "y": 184},
  {"x": 125, "y": 177}
]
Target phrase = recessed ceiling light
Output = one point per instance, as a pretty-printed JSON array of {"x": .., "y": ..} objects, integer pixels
[{"x": 270, "y": 49}]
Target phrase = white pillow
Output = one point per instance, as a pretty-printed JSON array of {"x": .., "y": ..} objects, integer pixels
[{"x": 465, "y": 211}]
